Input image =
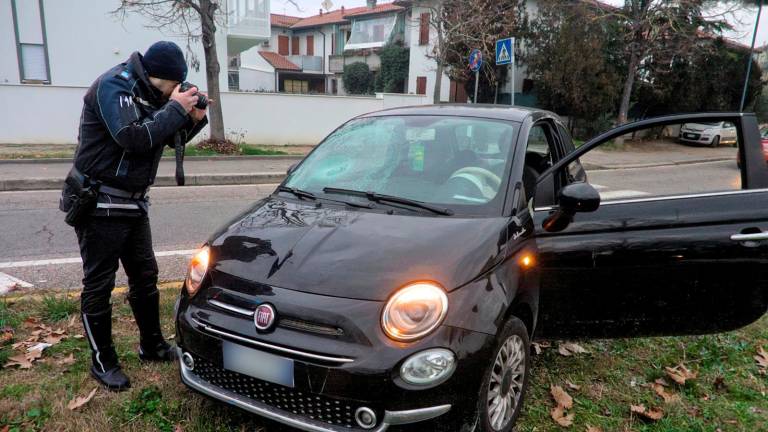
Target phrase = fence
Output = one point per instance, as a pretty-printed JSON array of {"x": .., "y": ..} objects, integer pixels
[{"x": 38, "y": 114}]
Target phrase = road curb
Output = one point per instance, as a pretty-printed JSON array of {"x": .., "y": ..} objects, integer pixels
[
  {"x": 169, "y": 158},
  {"x": 597, "y": 167},
  {"x": 160, "y": 181}
]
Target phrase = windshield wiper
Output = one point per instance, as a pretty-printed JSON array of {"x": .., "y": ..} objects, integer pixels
[
  {"x": 377, "y": 197},
  {"x": 297, "y": 192}
]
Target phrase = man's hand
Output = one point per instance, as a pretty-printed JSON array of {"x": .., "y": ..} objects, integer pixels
[
  {"x": 187, "y": 99},
  {"x": 198, "y": 114}
]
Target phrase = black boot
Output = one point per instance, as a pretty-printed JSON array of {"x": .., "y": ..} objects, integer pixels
[
  {"x": 152, "y": 345},
  {"x": 105, "y": 367}
]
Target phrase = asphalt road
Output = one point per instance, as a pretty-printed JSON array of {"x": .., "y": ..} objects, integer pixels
[{"x": 32, "y": 228}]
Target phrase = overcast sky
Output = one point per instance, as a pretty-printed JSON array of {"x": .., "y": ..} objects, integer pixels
[{"x": 743, "y": 20}]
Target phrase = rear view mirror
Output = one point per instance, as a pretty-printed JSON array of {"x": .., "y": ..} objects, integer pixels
[{"x": 572, "y": 199}]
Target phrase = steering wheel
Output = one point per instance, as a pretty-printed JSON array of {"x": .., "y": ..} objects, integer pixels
[{"x": 486, "y": 182}]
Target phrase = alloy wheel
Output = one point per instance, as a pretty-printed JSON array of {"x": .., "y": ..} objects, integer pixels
[{"x": 506, "y": 382}]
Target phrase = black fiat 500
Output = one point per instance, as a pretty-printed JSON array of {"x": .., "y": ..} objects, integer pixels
[{"x": 399, "y": 273}]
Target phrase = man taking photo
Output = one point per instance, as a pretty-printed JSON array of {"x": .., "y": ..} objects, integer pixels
[{"x": 130, "y": 114}]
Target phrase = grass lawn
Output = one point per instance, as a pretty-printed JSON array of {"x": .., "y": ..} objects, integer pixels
[{"x": 728, "y": 394}]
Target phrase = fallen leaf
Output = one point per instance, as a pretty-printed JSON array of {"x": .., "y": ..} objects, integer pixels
[
  {"x": 662, "y": 382},
  {"x": 680, "y": 374},
  {"x": 53, "y": 339},
  {"x": 78, "y": 336},
  {"x": 661, "y": 391},
  {"x": 178, "y": 428},
  {"x": 572, "y": 386},
  {"x": 6, "y": 335},
  {"x": 593, "y": 429},
  {"x": 733, "y": 422},
  {"x": 568, "y": 349},
  {"x": 762, "y": 360},
  {"x": 562, "y": 398},
  {"x": 539, "y": 347},
  {"x": 20, "y": 360},
  {"x": 66, "y": 361},
  {"x": 559, "y": 416},
  {"x": 33, "y": 354},
  {"x": 653, "y": 414},
  {"x": 79, "y": 401}
]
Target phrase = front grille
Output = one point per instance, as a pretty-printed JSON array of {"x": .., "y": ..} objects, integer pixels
[{"x": 319, "y": 408}]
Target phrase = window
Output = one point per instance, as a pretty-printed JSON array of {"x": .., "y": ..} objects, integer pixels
[
  {"x": 424, "y": 29},
  {"x": 539, "y": 156},
  {"x": 310, "y": 45},
  {"x": 282, "y": 45},
  {"x": 33, "y": 63},
  {"x": 371, "y": 33},
  {"x": 421, "y": 85},
  {"x": 295, "y": 46}
]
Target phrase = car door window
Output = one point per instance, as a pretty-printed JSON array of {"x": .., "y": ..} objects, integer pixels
[
  {"x": 540, "y": 154},
  {"x": 673, "y": 160}
]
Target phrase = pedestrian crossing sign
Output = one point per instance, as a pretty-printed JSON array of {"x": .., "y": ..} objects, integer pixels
[{"x": 504, "y": 52}]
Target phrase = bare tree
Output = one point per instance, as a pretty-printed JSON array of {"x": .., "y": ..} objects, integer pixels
[{"x": 197, "y": 20}]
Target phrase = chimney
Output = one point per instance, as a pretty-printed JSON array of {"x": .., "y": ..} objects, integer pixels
[
  {"x": 371, "y": 3},
  {"x": 321, "y": 12},
  {"x": 342, "y": 10}
]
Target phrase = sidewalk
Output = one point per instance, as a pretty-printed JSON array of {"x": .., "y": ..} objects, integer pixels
[
  {"x": 653, "y": 155},
  {"x": 41, "y": 174}
]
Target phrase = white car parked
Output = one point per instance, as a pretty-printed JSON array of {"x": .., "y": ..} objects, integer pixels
[{"x": 711, "y": 134}]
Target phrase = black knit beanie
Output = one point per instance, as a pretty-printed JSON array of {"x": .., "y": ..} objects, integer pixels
[{"x": 165, "y": 60}]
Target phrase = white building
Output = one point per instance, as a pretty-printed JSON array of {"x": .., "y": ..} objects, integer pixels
[{"x": 69, "y": 43}]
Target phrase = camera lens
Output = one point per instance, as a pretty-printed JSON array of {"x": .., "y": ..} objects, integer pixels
[{"x": 202, "y": 102}]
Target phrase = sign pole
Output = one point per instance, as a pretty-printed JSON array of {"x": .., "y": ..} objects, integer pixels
[
  {"x": 477, "y": 81},
  {"x": 512, "y": 64}
]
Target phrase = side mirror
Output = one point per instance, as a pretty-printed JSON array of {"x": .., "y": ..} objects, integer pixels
[
  {"x": 574, "y": 198},
  {"x": 292, "y": 168}
]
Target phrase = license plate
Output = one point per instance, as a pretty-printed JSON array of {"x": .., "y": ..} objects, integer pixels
[
  {"x": 258, "y": 364},
  {"x": 689, "y": 136}
]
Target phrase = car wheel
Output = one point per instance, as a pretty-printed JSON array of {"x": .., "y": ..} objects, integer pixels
[
  {"x": 715, "y": 142},
  {"x": 505, "y": 381}
]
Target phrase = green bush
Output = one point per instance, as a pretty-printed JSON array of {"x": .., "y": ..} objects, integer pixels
[
  {"x": 358, "y": 78},
  {"x": 394, "y": 69}
]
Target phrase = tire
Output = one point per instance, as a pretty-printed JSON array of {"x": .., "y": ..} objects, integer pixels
[
  {"x": 513, "y": 338},
  {"x": 715, "y": 142}
]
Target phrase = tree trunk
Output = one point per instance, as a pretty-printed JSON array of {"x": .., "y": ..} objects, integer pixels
[
  {"x": 634, "y": 62},
  {"x": 438, "y": 83},
  {"x": 212, "y": 69}
]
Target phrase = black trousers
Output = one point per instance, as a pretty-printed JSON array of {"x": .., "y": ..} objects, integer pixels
[{"x": 105, "y": 241}]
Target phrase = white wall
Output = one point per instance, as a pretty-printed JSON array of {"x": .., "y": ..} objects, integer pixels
[
  {"x": 252, "y": 79},
  {"x": 9, "y": 65},
  {"x": 84, "y": 40},
  {"x": 38, "y": 114},
  {"x": 420, "y": 64}
]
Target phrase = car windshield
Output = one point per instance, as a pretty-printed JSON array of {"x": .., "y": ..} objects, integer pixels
[{"x": 455, "y": 162}]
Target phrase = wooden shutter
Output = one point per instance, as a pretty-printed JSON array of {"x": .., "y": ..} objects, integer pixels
[
  {"x": 424, "y": 29},
  {"x": 421, "y": 85},
  {"x": 295, "y": 46},
  {"x": 282, "y": 45},
  {"x": 310, "y": 45}
]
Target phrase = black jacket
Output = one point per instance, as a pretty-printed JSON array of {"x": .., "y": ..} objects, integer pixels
[{"x": 124, "y": 127}]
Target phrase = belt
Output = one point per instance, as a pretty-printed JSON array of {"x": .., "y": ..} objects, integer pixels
[{"x": 122, "y": 193}]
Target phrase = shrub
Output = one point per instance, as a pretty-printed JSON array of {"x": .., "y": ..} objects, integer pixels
[{"x": 358, "y": 78}]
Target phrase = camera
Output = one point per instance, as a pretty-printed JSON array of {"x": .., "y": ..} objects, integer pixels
[{"x": 202, "y": 101}]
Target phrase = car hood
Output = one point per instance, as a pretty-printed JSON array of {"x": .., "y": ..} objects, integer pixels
[{"x": 351, "y": 253}]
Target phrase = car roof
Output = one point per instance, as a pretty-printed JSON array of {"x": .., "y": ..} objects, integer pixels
[{"x": 500, "y": 112}]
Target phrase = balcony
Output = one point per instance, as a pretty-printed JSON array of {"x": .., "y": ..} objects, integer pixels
[
  {"x": 307, "y": 63},
  {"x": 336, "y": 62},
  {"x": 247, "y": 24}
]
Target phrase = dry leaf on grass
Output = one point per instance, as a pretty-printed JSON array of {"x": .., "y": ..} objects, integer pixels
[
  {"x": 178, "y": 428},
  {"x": 66, "y": 361},
  {"x": 568, "y": 349},
  {"x": 539, "y": 347},
  {"x": 559, "y": 416},
  {"x": 79, "y": 401},
  {"x": 6, "y": 335},
  {"x": 661, "y": 391},
  {"x": 572, "y": 386},
  {"x": 20, "y": 360},
  {"x": 593, "y": 429},
  {"x": 762, "y": 360},
  {"x": 560, "y": 396},
  {"x": 653, "y": 414},
  {"x": 680, "y": 374}
]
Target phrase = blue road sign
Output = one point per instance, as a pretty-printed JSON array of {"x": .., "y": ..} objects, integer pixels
[
  {"x": 504, "y": 53},
  {"x": 475, "y": 60}
]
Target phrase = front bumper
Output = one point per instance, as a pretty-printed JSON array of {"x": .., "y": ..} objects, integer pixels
[{"x": 391, "y": 418}]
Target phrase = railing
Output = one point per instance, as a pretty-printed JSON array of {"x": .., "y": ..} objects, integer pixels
[
  {"x": 336, "y": 62},
  {"x": 233, "y": 79},
  {"x": 307, "y": 63}
]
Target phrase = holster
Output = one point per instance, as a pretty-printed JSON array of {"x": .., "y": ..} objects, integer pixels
[{"x": 79, "y": 197}]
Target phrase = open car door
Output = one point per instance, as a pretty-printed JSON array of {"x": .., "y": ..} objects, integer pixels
[{"x": 619, "y": 259}]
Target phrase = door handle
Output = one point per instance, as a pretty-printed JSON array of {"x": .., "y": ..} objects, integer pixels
[{"x": 750, "y": 237}]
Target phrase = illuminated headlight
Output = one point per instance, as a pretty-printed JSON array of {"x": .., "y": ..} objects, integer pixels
[
  {"x": 428, "y": 367},
  {"x": 197, "y": 269},
  {"x": 414, "y": 311}
]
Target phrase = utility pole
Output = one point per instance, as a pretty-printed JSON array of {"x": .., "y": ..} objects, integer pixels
[{"x": 749, "y": 61}]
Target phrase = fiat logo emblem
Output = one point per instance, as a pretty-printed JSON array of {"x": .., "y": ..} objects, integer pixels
[{"x": 264, "y": 316}]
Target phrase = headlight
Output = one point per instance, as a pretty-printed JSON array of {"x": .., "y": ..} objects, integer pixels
[
  {"x": 428, "y": 367},
  {"x": 414, "y": 311},
  {"x": 197, "y": 269}
]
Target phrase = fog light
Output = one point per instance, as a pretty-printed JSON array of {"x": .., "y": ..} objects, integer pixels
[
  {"x": 188, "y": 361},
  {"x": 428, "y": 367},
  {"x": 365, "y": 417}
]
